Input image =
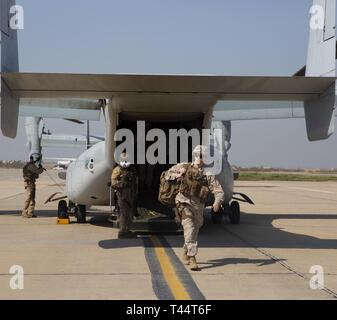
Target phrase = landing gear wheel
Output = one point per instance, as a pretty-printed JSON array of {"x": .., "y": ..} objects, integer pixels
[
  {"x": 72, "y": 209},
  {"x": 234, "y": 215},
  {"x": 217, "y": 217},
  {"x": 81, "y": 214},
  {"x": 62, "y": 210}
]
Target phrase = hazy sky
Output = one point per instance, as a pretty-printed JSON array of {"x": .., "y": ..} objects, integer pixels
[{"x": 241, "y": 37}]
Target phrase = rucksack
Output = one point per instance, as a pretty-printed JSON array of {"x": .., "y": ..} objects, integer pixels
[{"x": 168, "y": 190}]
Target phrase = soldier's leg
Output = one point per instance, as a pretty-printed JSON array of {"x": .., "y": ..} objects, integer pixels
[
  {"x": 30, "y": 211},
  {"x": 190, "y": 232},
  {"x": 28, "y": 194},
  {"x": 192, "y": 226},
  {"x": 198, "y": 221},
  {"x": 123, "y": 207},
  {"x": 125, "y": 220},
  {"x": 129, "y": 217}
]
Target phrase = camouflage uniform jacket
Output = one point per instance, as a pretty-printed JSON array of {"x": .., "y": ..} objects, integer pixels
[
  {"x": 31, "y": 172},
  {"x": 213, "y": 183},
  {"x": 125, "y": 183}
]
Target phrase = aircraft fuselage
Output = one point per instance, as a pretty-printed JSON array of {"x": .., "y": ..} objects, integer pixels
[{"x": 88, "y": 178}]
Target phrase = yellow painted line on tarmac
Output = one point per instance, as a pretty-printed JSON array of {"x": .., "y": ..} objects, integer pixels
[{"x": 177, "y": 288}]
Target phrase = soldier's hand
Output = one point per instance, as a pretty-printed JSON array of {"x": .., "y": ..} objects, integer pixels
[{"x": 216, "y": 207}]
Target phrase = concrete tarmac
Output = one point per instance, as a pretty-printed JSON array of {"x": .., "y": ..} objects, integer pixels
[{"x": 291, "y": 229}]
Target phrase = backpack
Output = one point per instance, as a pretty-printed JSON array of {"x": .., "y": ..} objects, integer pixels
[{"x": 168, "y": 190}]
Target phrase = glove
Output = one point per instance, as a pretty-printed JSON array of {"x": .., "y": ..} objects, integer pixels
[{"x": 216, "y": 207}]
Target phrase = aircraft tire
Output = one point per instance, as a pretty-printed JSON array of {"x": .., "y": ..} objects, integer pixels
[
  {"x": 72, "y": 208},
  {"x": 235, "y": 215},
  {"x": 81, "y": 214},
  {"x": 62, "y": 210}
]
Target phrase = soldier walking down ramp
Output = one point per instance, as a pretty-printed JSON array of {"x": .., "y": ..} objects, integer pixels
[
  {"x": 195, "y": 187},
  {"x": 125, "y": 183},
  {"x": 31, "y": 172}
]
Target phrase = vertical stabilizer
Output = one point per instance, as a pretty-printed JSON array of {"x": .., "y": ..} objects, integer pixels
[
  {"x": 321, "y": 62},
  {"x": 9, "y": 62}
]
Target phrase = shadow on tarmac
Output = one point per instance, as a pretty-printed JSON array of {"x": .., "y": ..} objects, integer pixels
[
  {"x": 210, "y": 264},
  {"x": 256, "y": 230}
]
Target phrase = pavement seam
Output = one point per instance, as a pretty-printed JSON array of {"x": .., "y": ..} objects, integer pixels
[{"x": 278, "y": 260}]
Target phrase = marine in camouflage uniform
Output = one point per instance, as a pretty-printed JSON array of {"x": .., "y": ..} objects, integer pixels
[
  {"x": 193, "y": 194},
  {"x": 31, "y": 172},
  {"x": 124, "y": 181}
]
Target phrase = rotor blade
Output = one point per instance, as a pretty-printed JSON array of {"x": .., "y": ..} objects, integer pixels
[
  {"x": 75, "y": 121},
  {"x": 245, "y": 198},
  {"x": 50, "y": 199}
]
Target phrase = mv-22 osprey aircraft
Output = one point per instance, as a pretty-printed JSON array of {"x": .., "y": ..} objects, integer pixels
[{"x": 166, "y": 101}]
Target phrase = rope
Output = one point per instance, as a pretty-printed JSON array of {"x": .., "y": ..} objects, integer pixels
[{"x": 61, "y": 188}]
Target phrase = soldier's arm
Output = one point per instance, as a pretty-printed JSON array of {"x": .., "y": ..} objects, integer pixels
[{"x": 216, "y": 188}]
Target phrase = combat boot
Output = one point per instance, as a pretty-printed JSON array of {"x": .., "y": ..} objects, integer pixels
[
  {"x": 193, "y": 264},
  {"x": 186, "y": 259},
  {"x": 29, "y": 216}
]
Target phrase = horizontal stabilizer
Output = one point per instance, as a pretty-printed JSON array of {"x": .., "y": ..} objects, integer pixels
[{"x": 38, "y": 85}]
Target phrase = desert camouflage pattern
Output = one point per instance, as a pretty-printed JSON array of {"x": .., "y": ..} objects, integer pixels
[
  {"x": 30, "y": 173},
  {"x": 191, "y": 209},
  {"x": 125, "y": 183}
]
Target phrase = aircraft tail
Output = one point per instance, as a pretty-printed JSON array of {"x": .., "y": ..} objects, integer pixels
[
  {"x": 321, "y": 62},
  {"x": 9, "y": 63}
]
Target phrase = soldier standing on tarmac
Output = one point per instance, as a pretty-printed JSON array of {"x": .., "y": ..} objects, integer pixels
[
  {"x": 31, "y": 172},
  {"x": 124, "y": 181}
]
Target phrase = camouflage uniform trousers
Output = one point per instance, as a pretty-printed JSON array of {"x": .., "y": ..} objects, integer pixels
[
  {"x": 29, "y": 207},
  {"x": 125, "y": 215},
  {"x": 192, "y": 219}
]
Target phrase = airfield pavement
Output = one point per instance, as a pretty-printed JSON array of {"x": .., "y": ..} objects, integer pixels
[{"x": 292, "y": 227}]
